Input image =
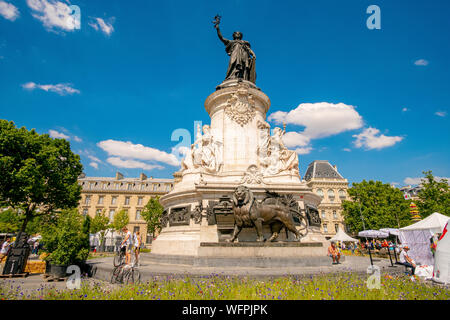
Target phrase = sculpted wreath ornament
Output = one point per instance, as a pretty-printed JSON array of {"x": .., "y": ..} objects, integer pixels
[{"x": 241, "y": 107}]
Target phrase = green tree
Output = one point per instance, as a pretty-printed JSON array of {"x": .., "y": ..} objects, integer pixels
[
  {"x": 66, "y": 240},
  {"x": 36, "y": 172},
  {"x": 86, "y": 231},
  {"x": 152, "y": 215},
  {"x": 9, "y": 221},
  {"x": 434, "y": 196},
  {"x": 120, "y": 220},
  {"x": 100, "y": 224},
  {"x": 375, "y": 205}
]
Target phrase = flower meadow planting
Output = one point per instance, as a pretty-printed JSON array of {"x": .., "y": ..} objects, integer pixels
[{"x": 215, "y": 287}]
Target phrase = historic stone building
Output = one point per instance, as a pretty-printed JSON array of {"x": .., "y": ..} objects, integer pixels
[
  {"x": 331, "y": 186},
  {"x": 110, "y": 195}
]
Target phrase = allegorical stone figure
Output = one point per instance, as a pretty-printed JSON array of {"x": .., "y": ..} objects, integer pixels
[{"x": 242, "y": 57}]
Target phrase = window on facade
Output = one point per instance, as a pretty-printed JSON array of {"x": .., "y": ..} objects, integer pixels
[
  {"x": 87, "y": 200},
  {"x": 155, "y": 187},
  {"x": 323, "y": 213},
  {"x": 320, "y": 193},
  {"x": 129, "y": 186},
  {"x": 111, "y": 214},
  {"x": 325, "y": 228},
  {"x": 138, "y": 215},
  {"x": 336, "y": 227},
  {"x": 334, "y": 214},
  {"x": 168, "y": 187},
  {"x": 99, "y": 211},
  {"x": 100, "y": 199},
  {"x": 85, "y": 212},
  {"x": 113, "y": 200},
  {"x": 342, "y": 194},
  {"x": 142, "y": 186},
  {"x": 140, "y": 199},
  {"x": 136, "y": 229},
  {"x": 331, "y": 195},
  {"x": 127, "y": 201}
]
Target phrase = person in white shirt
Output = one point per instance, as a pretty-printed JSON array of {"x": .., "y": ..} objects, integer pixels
[
  {"x": 137, "y": 246},
  {"x": 5, "y": 248},
  {"x": 128, "y": 243},
  {"x": 406, "y": 260}
]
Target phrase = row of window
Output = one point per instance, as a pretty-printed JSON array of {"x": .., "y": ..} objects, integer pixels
[
  {"x": 331, "y": 194},
  {"x": 129, "y": 186},
  {"x": 112, "y": 212},
  {"x": 325, "y": 227},
  {"x": 335, "y": 215},
  {"x": 87, "y": 200}
]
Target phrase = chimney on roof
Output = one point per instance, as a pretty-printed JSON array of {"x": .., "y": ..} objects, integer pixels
[
  {"x": 143, "y": 176},
  {"x": 335, "y": 167},
  {"x": 119, "y": 176}
]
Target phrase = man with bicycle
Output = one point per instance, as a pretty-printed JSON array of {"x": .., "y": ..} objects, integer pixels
[{"x": 128, "y": 244}]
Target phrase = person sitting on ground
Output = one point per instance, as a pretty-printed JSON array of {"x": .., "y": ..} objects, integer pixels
[
  {"x": 5, "y": 249},
  {"x": 406, "y": 260},
  {"x": 333, "y": 252},
  {"x": 128, "y": 243}
]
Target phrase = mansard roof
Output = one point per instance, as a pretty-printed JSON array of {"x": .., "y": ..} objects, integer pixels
[{"x": 322, "y": 169}]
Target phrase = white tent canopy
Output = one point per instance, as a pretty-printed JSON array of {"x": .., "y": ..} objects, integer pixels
[
  {"x": 343, "y": 237},
  {"x": 390, "y": 231},
  {"x": 442, "y": 258},
  {"x": 434, "y": 222},
  {"x": 373, "y": 234}
]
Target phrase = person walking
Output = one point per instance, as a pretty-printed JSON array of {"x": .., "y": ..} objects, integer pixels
[
  {"x": 128, "y": 244},
  {"x": 137, "y": 247}
]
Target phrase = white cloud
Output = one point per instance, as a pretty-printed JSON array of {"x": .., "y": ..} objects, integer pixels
[
  {"x": 421, "y": 62},
  {"x": 441, "y": 113},
  {"x": 62, "y": 88},
  {"x": 59, "y": 135},
  {"x": 77, "y": 139},
  {"x": 305, "y": 150},
  {"x": 371, "y": 138},
  {"x": 321, "y": 119},
  {"x": 137, "y": 151},
  {"x": 132, "y": 164},
  {"x": 405, "y": 109},
  {"x": 8, "y": 11},
  {"x": 418, "y": 180},
  {"x": 94, "y": 165},
  {"x": 93, "y": 158},
  {"x": 293, "y": 139},
  {"x": 347, "y": 150},
  {"x": 54, "y": 14},
  {"x": 100, "y": 24}
]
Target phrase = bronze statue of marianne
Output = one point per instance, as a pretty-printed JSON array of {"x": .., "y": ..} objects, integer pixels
[{"x": 242, "y": 57}]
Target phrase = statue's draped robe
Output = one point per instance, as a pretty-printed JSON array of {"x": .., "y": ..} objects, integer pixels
[{"x": 241, "y": 65}]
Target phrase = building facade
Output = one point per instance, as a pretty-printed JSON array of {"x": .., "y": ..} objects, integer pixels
[
  {"x": 331, "y": 186},
  {"x": 110, "y": 195}
]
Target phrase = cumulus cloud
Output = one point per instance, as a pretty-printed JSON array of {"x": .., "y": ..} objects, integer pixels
[
  {"x": 54, "y": 14},
  {"x": 371, "y": 138},
  {"x": 77, "y": 139},
  {"x": 62, "y": 89},
  {"x": 94, "y": 158},
  {"x": 94, "y": 165},
  {"x": 441, "y": 113},
  {"x": 59, "y": 135},
  {"x": 421, "y": 62},
  {"x": 132, "y": 164},
  {"x": 100, "y": 24},
  {"x": 136, "y": 151},
  {"x": 305, "y": 150},
  {"x": 8, "y": 11},
  {"x": 321, "y": 119}
]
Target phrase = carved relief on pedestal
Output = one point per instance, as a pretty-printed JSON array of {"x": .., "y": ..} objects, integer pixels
[
  {"x": 252, "y": 176},
  {"x": 206, "y": 153},
  {"x": 241, "y": 106},
  {"x": 274, "y": 157}
]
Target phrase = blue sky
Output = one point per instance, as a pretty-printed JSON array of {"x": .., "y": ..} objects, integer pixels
[{"x": 373, "y": 102}]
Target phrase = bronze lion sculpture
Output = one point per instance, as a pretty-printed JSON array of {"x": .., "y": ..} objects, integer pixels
[{"x": 274, "y": 211}]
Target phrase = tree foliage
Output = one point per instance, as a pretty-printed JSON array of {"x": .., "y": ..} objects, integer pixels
[
  {"x": 36, "y": 172},
  {"x": 99, "y": 224},
  {"x": 152, "y": 215},
  {"x": 66, "y": 240},
  {"x": 120, "y": 220},
  {"x": 379, "y": 205},
  {"x": 434, "y": 196}
]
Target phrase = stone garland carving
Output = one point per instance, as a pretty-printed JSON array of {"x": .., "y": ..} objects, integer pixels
[
  {"x": 241, "y": 106},
  {"x": 274, "y": 157},
  {"x": 197, "y": 213},
  {"x": 164, "y": 219},
  {"x": 179, "y": 216},
  {"x": 207, "y": 156},
  {"x": 252, "y": 176}
]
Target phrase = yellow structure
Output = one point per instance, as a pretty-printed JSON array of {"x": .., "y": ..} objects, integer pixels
[
  {"x": 331, "y": 186},
  {"x": 415, "y": 216},
  {"x": 110, "y": 195}
]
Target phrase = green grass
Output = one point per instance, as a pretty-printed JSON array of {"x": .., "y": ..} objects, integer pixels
[{"x": 328, "y": 287}]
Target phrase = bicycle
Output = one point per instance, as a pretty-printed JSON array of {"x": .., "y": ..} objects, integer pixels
[
  {"x": 127, "y": 274},
  {"x": 119, "y": 257}
]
